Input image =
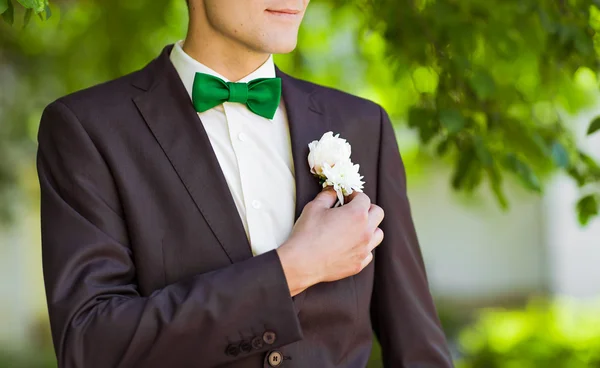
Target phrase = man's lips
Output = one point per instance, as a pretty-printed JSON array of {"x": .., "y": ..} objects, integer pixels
[{"x": 284, "y": 13}]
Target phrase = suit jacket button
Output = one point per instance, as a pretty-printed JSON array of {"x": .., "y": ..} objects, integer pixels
[
  {"x": 275, "y": 358},
  {"x": 232, "y": 350},
  {"x": 269, "y": 337},
  {"x": 257, "y": 343},
  {"x": 246, "y": 346}
]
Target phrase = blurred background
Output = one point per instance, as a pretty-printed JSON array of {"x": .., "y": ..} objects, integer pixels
[{"x": 495, "y": 104}]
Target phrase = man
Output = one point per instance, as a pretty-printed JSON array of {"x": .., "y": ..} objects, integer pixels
[{"x": 184, "y": 229}]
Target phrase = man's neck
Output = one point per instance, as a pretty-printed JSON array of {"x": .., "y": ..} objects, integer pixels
[{"x": 224, "y": 56}]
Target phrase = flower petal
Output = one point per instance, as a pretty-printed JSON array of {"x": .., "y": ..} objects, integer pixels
[{"x": 340, "y": 196}]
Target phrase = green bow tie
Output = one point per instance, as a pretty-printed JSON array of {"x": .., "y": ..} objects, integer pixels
[{"x": 261, "y": 95}]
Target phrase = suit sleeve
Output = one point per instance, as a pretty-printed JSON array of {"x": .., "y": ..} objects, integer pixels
[
  {"x": 403, "y": 314},
  {"x": 98, "y": 316}
]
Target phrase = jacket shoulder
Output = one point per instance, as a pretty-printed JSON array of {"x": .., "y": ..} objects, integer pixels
[
  {"x": 91, "y": 108},
  {"x": 334, "y": 100},
  {"x": 107, "y": 96},
  {"x": 101, "y": 96}
]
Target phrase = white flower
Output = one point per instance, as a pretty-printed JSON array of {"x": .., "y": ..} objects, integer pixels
[
  {"x": 328, "y": 150},
  {"x": 329, "y": 161},
  {"x": 344, "y": 178}
]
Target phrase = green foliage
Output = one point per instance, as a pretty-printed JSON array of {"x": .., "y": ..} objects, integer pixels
[
  {"x": 558, "y": 334},
  {"x": 491, "y": 84},
  {"x": 587, "y": 206},
  {"x": 39, "y": 358},
  {"x": 594, "y": 126},
  {"x": 487, "y": 84},
  {"x": 40, "y": 7},
  {"x": 82, "y": 44}
]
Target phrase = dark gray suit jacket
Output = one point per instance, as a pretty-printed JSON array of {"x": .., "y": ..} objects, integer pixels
[{"x": 146, "y": 262}]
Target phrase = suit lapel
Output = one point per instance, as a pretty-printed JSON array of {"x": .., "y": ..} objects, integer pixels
[
  {"x": 169, "y": 113},
  {"x": 306, "y": 123}
]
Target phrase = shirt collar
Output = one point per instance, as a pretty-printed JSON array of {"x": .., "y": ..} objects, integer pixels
[{"x": 187, "y": 67}]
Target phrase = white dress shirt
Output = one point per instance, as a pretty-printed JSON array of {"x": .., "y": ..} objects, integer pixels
[{"x": 254, "y": 154}]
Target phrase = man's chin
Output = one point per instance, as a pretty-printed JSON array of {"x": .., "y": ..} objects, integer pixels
[{"x": 282, "y": 47}]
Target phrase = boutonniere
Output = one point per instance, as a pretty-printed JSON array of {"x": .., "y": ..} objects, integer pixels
[{"x": 329, "y": 161}]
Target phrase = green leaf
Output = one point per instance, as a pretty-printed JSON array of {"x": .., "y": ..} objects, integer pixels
[
  {"x": 483, "y": 84},
  {"x": 422, "y": 119},
  {"x": 442, "y": 147},
  {"x": 530, "y": 178},
  {"x": 525, "y": 173},
  {"x": 560, "y": 156},
  {"x": 9, "y": 14},
  {"x": 578, "y": 176},
  {"x": 418, "y": 116},
  {"x": 27, "y": 17},
  {"x": 594, "y": 126},
  {"x": 425, "y": 80},
  {"x": 495, "y": 181},
  {"x": 474, "y": 177},
  {"x": 461, "y": 172},
  {"x": 547, "y": 23},
  {"x": 36, "y": 5},
  {"x": 588, "y": 160},
  {"x": 452, "y": 120},
  {"x": 45, "y": 14},
  {"x": 483, "y": 153},
  {"x": 540, "y": 143},
  {"x": 27, "y": 4},
  {"x": 3, "y": 6},
  {"x": 587, "y": 207}
]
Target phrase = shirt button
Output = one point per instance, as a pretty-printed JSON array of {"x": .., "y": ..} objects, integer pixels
[
  {"x": 232, "y": 350},
  {"x": 256, "y": 204},
  {"x": 275, "y": 358},
  {"x": 257, "y": 342},
  {"x": 245, "y": 346},
  {"x": 242, "y": 137},
  {"x": 269, "y": 337}
]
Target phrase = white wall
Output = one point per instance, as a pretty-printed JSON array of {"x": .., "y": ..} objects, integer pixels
[
  {"x": 472, "y": 249},
  {"x": 574, "y": 250}
]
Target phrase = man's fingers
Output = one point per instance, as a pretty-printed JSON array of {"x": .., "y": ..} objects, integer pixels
[
  {"x": 376, "y": 215},
  {"x": 326, "y": 198},
  {"x": 376, "y": 239},
  {"x": 351, "y": 196},
  {"x": 359, "y": 199},
  {"x": 366, "y": 261}
]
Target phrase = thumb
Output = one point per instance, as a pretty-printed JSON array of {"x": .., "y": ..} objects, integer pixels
[{"x": 326, "y": 198}]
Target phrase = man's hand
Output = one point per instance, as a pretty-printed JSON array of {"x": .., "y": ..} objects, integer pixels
[{"x": 329, "y": 244}]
